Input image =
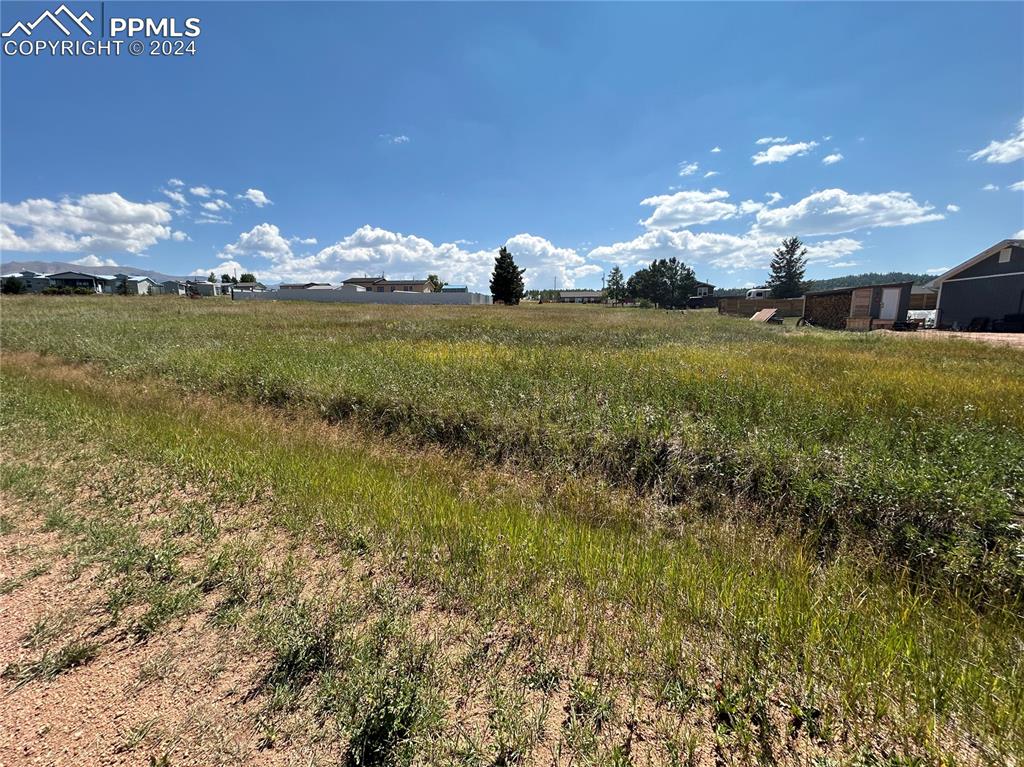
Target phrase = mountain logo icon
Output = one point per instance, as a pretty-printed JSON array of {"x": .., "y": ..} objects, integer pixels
[{"x": 63, "y": 12}]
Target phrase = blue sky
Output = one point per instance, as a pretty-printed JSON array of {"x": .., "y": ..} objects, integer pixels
[{"x": 323, "y": 140}]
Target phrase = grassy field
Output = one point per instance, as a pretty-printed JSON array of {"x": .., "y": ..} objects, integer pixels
[{"x": 534, "y": 535}]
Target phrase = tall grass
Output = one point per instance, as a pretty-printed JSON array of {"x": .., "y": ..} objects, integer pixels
[
  {"x": 916, "y": 448},
  {"x": 716, "y": 612}
]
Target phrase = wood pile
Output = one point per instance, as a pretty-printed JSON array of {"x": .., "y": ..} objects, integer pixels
[{"x": 829, "y": 310}]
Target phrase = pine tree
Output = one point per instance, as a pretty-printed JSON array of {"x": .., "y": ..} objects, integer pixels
[
  {"x": 507, "y": 279},
  {"x": 616, "y": 286},
  {"x": 788, "y": 265}
]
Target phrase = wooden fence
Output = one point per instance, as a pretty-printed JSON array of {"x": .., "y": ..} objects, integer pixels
[{"x": 746, "y": 307}]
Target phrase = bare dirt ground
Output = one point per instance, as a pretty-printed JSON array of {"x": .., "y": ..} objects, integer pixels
[{"x": 1012, "y": 340}]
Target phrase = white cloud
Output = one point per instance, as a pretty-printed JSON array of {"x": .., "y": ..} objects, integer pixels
[
  {"x": 725, "y": 251},
  {"x": 304, "y": 240},
  {"x": 770, "y": 140},
  {"x": 1004, "y": 151},
  {"x": 216, "y": 205},
  {"x": 175, "y": 182},
  {"x": 716, "y": 150},
  {"x": 937, "y": 270},
  {"x": 209, "y": 218},
  {"x": 90, "y": 223},
  {"x": 773, "y": 197},
  {"x": 400, "y": 139},
  {"x": 953, "y": 208},
  {"x": 1019, "y": 235},
  {"x": 782, "y": 152},
  {"x": 262, "y": 240},
  {"x": 832, "y": 159},
  {"x": 834, "y": 211},
  {"x": 674, "y": 211},
  {"x": 711, "y": 174},
  {"x": 224, "y": 267},
  {"x": 548, "y": 265},
  {"x": 842, "y": 264},
  {"x": 256, "y": 197},
  {"x": 1017, "y": 186},
  {"x": 180, "y": 236},
  {"x": 201, "y": 191},
  {"x": 94, "y": 261},
  {"x": 990, "y": 188},
  {"x": 688, "y": 168},
  {"x": 178, "y": 197},
  {"x": 371, "y": 250}
]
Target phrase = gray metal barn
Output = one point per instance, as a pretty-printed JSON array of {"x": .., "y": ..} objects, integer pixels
[{"x": 985, "y": 292}]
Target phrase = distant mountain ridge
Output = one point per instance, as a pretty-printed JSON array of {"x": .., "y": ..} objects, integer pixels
[
  {"x": 50, "y": 267},
  {"x": 848, "y": 281}
]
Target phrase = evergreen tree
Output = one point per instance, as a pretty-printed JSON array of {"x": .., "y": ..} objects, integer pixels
[
  {"x": 507, "y": 279},
  {"x": 212, "y": 277},
  {"x": 616, "y": 286},
  {"x": 787, "y": 269},
  {"x": 247, "y": 277},
  {"x": 666, "y": 282}
]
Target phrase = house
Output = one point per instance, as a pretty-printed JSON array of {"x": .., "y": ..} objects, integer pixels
[
  {"x": 703, "y": 297},
  {"x": 455, "y": 289},
  {"x": 303, "y": 285},
  {"x": 200, "y": 287},
  {"x": 247, "y": 287},
  {"x": 867, "y": 307},
  {"x": 704, "y": 289},
  {"x": 382, "y": 285},
  {"x": 80, "y": 280},
  {"x": 32, "y": 282},
  {"x": 985, "y": 292},
  {"x": 171, "y": 287},
  {"x": 131, "y": 285},
  {"x": 581, "y": 296}
]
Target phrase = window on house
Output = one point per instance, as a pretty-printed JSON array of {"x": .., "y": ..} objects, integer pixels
[{"x": 1004, "y": 256}]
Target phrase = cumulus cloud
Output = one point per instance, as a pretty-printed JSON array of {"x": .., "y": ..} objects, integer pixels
[
  {"x": 990, "y": 188},
  {"x": 256, "y": 197},
  {"x": 304, "y": 240},
  {"x": 834, "y": 211},
  {"x": 688, "y": 168},
  {"x": 842, "y": 264},
  {"x": 1004, "y": 151},
  {"x": 782, "y": 152},
  {"x": 711, "y": 174},
  {"x": 773, "y": 197},
  {"x": 201, "y": 191},
  {"x": 180, "y": 236},
  {"x": 937, "y": 270},
  {"x": 716, "y": 150},
  {"x": 175, "y": 182},
  {"x": 224, "y": 267},
  {"x": 953, "y": 208},
  {"x": 548, "y": 265},
  {"x": 1017, "y": 186},
  {"x": 400, "y": 139},
  {"x": 770, "y": 140},
  {"x": 90, "y": 223},
  {"x": 674, "y": 211},
  {"x": 725, "y": 251},
  {"x": 832, "y": 159},
  {"x": 263, "y": 240},
  {"x": 372, "y": 250},
  {"x": 92, "y": 260}
]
